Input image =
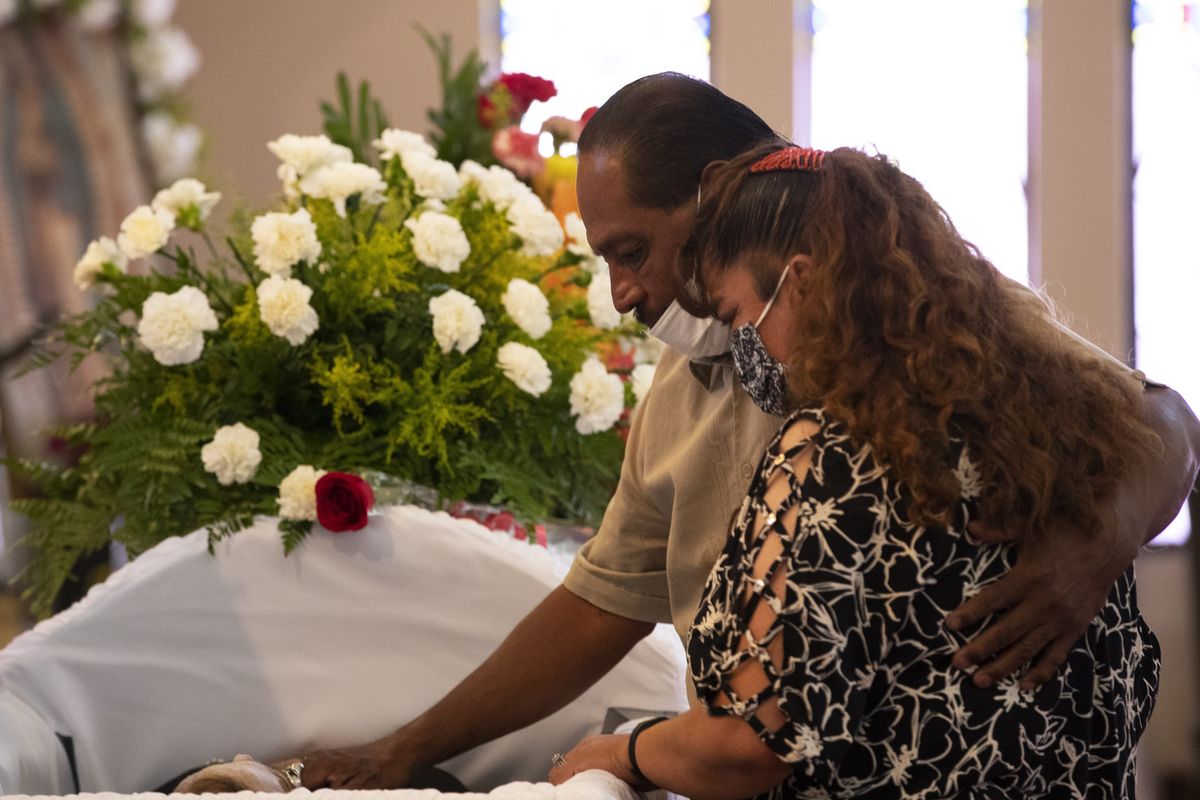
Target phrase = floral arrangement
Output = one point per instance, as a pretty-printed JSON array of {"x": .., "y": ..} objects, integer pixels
[
  {"x": 162, "y": 58},
  {"x": 481, "y": 119},
  {"x": 430, "y": 326}
]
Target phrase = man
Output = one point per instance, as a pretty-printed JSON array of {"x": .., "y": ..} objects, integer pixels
[{"x": 690, "y": 456}]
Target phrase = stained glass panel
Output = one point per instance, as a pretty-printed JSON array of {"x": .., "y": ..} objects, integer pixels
[
  {"x": 940, "y": 86},
  {"x": 591, "y": 49},
  {"x": 1166, "y": 200}
]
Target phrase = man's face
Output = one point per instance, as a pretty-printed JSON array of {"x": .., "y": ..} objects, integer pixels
[{"x": 641, "y": 245}]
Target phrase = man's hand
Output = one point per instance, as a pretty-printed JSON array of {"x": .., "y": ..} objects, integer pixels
[
  {"x": 553, "y": 655},
  {"x": 1060, "y": 581},
  {"x": 375, "y": 766}
]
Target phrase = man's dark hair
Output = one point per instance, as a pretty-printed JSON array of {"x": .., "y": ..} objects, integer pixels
[{"x": 664, "y": 129}]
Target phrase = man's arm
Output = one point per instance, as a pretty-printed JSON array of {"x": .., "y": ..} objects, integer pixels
[
  {"x": 1061, "y": 581},
  {"x": 553, "y": 655}
]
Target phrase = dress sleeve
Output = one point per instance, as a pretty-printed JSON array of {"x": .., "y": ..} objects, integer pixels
[{"x": 799, "y": 621}]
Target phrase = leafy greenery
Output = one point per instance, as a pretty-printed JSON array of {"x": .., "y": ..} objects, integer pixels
[
  {"x": 457, "y": 135},
  {"x": 354, "y": 126},
  {"x": 369, "y": 391}
]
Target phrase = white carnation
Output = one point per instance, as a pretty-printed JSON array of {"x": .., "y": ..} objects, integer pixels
[
  {"x": 525, "y": 367},
  {"x": 439, "y": 240},
  {"x": 173, "y": 147},
  {"x": 172, "y": 325},
  {"x": 600, "y": 303},
  {"x": 527, "y": 306},
  {"x": 283, "y": 306},
  {"x": 641, "y": 378},
  {"x": 339, "y": 182},
  {"x": 233, "y": 454},
  {"x": 184, "y": 195},
  {"x": 577, "y": 242},
  {"x": 298, "y": 493},
  {"x": 145, "y": 231},
  {"x": 457, "y": 321},
  {"x": 103, "y": 250},
  {"x": 281, "y": 240},
  {"x": 395, "y": 142},
  {"x": 97, "y": 15},
  {"x": 164, "y": 59},
  {"x": 597, "y": 398},
  {"x": 497, "y": 185},
  {"x": 472, "y": 171},
  {"x": 540, "y": 232},
  {"x": 152, "y": 13},
  {"x": 305, "y": 154},
  {"x": 431, "y": 176}
]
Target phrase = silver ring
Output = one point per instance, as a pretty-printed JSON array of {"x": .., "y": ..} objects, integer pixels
[
  {"x": 557, "y": 760},
  {"x": 293, "y": 773}
]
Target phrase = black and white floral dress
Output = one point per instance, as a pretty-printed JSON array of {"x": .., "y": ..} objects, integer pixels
[{"x": 821, "y": 625}]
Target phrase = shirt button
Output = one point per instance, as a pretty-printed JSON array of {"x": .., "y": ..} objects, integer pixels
[{"x": 747, "y": 470}]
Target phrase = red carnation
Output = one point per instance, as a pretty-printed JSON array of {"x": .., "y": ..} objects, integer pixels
[
  {"x": 343, "y": 501},
  {"x": 587, "y": 117},
  {"x": 518, "y": 151},
  {"x": 506, "y": 101},
  {"x": 526, "y": 88}
]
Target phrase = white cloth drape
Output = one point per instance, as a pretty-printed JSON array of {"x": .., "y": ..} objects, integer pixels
[{"x": 181, "y": 656}]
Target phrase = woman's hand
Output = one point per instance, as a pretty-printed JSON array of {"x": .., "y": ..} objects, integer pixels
[{"x": 606, "y": 752}]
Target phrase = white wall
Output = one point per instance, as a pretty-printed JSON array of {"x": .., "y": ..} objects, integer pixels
[{"x": 267, "y": 63}]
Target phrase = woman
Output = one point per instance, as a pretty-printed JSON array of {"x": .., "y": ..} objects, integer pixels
[{"x": 925, "y": 390}]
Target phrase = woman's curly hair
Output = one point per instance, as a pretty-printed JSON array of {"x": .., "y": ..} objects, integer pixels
[{"x": 911, "y": 337}]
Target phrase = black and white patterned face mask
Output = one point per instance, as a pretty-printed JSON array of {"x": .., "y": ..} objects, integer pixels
[{"x": 762, "y": 375}]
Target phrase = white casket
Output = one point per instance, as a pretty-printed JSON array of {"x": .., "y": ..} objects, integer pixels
[{"x": 182, "y": 656}]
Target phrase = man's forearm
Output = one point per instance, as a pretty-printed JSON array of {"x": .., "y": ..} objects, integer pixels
[
  {"x": 555, "y": 654},
  {"x": 1166, "y": 484}
]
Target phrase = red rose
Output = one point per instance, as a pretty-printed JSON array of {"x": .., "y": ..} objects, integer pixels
[
  {"x": 587, "y": 117},
  {"x": 343, "y": 501}
]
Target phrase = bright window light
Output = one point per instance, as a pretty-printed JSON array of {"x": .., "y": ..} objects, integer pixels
[
  {"x": 590, "y": 49},
  {"x": 1166, "y": 201},
  {"x": 941, "y": 87}
]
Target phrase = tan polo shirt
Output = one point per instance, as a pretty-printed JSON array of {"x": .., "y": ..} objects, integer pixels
[{"x": 694, "y": 444}]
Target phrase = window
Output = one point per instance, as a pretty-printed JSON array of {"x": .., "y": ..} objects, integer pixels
[
  {"x": 590, "y": 49},
  {"x": 1166, "y": 200},
  {"x": 941, "y": 86}
]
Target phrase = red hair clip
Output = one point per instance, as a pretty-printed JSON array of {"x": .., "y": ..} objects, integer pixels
[{"x": 790, "y": 159}]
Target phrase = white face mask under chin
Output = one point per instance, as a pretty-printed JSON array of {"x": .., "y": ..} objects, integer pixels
[{"x": 692, "y": 336}]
